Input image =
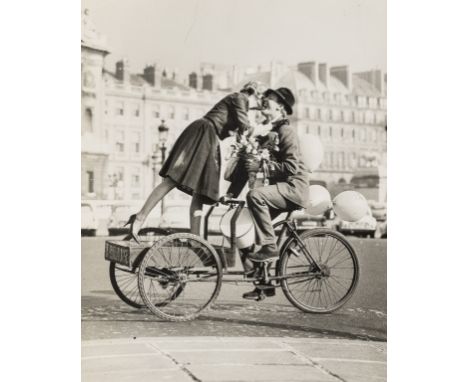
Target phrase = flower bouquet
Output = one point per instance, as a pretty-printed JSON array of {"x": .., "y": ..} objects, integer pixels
[{"x": 247, "y": 150}]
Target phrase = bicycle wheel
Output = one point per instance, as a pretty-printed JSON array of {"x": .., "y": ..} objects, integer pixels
[
  {"x": 125, "y": 283},
  {"x": 316, "y": 291},
  {"x": 179, "y": 277}
]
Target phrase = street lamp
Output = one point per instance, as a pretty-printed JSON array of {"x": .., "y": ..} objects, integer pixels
[{"x": 163, "y": 135}]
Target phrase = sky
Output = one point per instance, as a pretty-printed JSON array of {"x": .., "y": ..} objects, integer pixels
[{"x": 184, "y": 33}]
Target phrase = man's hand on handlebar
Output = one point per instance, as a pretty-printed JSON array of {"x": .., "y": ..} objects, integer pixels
[
  {"x": 224, "y": 199},
  {"x": 229, "y": 200}
]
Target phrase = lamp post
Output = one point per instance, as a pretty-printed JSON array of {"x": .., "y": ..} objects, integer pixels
[{"x": 163, "y": 135}]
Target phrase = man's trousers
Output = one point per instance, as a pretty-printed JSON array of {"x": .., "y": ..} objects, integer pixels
[{"x": 266, "y": 203}]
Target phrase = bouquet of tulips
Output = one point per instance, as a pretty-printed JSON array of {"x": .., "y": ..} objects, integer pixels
[{"x": 247, "y": 149}]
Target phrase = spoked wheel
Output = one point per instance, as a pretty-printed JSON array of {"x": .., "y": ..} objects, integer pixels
[
  {"x": 179, "y": 277},
  {"x": 312, "y": 290},
  {"x": 125, "y": 283}
]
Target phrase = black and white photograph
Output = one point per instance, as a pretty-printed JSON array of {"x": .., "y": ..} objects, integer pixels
[{"x": 233, "y": 190}]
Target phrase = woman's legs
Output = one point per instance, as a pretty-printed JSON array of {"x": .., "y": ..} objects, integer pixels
[
  {"x": 196, "y": 213},
  {"x": 159, "y": 192}
]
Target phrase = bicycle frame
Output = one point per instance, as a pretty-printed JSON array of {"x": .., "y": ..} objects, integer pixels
[{"x": 288, "y": 227}]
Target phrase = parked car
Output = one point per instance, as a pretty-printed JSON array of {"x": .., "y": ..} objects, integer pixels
[
  {"x": 379, "y": 210},
  {"x": 88, "y": 220},
  {"x": 384, "y": 230},
  {"x": 120, "y": 215},
  {"x": 364, "y": 227},
  {"x": 305, "y": 221},
  {"x": 175, "y": 216},
  {"x": 381, "y": 230}
]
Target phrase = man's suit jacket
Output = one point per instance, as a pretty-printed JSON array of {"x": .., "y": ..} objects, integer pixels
[{"x": 287, "y": 170}]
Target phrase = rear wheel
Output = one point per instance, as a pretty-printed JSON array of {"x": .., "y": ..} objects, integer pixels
[
  {"x": 312, "y": 290},
  {"x": 179, "y": 277},
  {"x": 125, "y": 283}
]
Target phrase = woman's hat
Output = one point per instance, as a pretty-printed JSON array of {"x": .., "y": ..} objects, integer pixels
[{"x": 285, "y": 96}]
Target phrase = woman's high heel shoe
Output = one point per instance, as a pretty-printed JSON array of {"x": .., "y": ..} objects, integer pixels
[{"x": 133, "y": 232}]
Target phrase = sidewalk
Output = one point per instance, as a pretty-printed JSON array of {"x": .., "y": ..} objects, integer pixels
[{"x": 189, "y": 359}]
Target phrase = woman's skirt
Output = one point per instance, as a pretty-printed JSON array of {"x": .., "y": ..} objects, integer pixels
[{"x": 194, "y": 161}]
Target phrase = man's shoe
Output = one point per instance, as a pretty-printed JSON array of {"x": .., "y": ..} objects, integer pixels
[
  {"x": 256, "y": 294},
  {"x": 266, "y": 253}
]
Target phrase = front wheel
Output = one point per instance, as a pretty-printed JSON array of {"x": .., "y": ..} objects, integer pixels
[{"x": 318, "y": 291}]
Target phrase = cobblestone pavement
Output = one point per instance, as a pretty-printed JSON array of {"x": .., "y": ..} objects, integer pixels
[{"x": 109, "y": 318}]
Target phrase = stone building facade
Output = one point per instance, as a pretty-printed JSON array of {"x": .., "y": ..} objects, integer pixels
[{"x": 122, "y": 110}]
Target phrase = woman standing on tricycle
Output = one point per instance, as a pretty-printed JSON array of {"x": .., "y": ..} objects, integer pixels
[{"x": 193, "y": 165}]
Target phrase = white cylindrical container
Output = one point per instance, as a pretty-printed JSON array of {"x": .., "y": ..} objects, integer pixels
[{"x": 245, "y": 231}]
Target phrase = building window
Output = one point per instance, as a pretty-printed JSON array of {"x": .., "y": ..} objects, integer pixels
[
  {"x": 120, "y": 173},
  {"x": 330, "y": 133},
  {"x": 172, "y": 112},
  {"x": 319, "y": 131},
  {"x": 135, "y": 180},
  {"x": 136, "y": 142},
  {"x": 353, "y": 135},
  {"x": 156, "y": 113},
  {"x": 361, "y": 117},
  {"x": 342, "y": 114},
  {"x": 88, "y": 120},
  {"x": 363, "y": 134},
  {"x": 353, "y": 116},
  {"x": 319, "y": 114},
  {"x": 341, "y": 160},
  {"x": 119, "y": 109},
  {"x": 186, "y": 114},
  {"x": 352, "y": 160},
  {"x": 136, "y": 110},
  {"x": 342, "y": 132},
  {"x": 330, "y": 115},
  {"x": 307, "y": 113},
  {"x": 120, "y": 141},
  {"x": 90, "y": 177}
]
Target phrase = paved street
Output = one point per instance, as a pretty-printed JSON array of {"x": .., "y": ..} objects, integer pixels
[
  {"x": 189, "y": 359},
  {"x": 105, "y": 316}
]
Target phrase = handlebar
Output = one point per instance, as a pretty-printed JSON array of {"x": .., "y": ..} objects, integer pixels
[{"x": 228, "y": 201}]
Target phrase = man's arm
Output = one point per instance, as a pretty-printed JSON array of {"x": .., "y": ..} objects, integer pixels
[{"x": 289, "y": 152}]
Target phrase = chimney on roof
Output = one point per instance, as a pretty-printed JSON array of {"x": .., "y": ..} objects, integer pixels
[
  {"x": 323, "y": 73},
  {"x": 207, "y": 82},
  {"x": 374, "y": 77},
  {"x": 149, "y": 74},
  {"x": 309, "y": 69},
  {"x": 343, "y": 74},
  {"x": 193, "y": 80},
  {"x": 122, "y": 70}
]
